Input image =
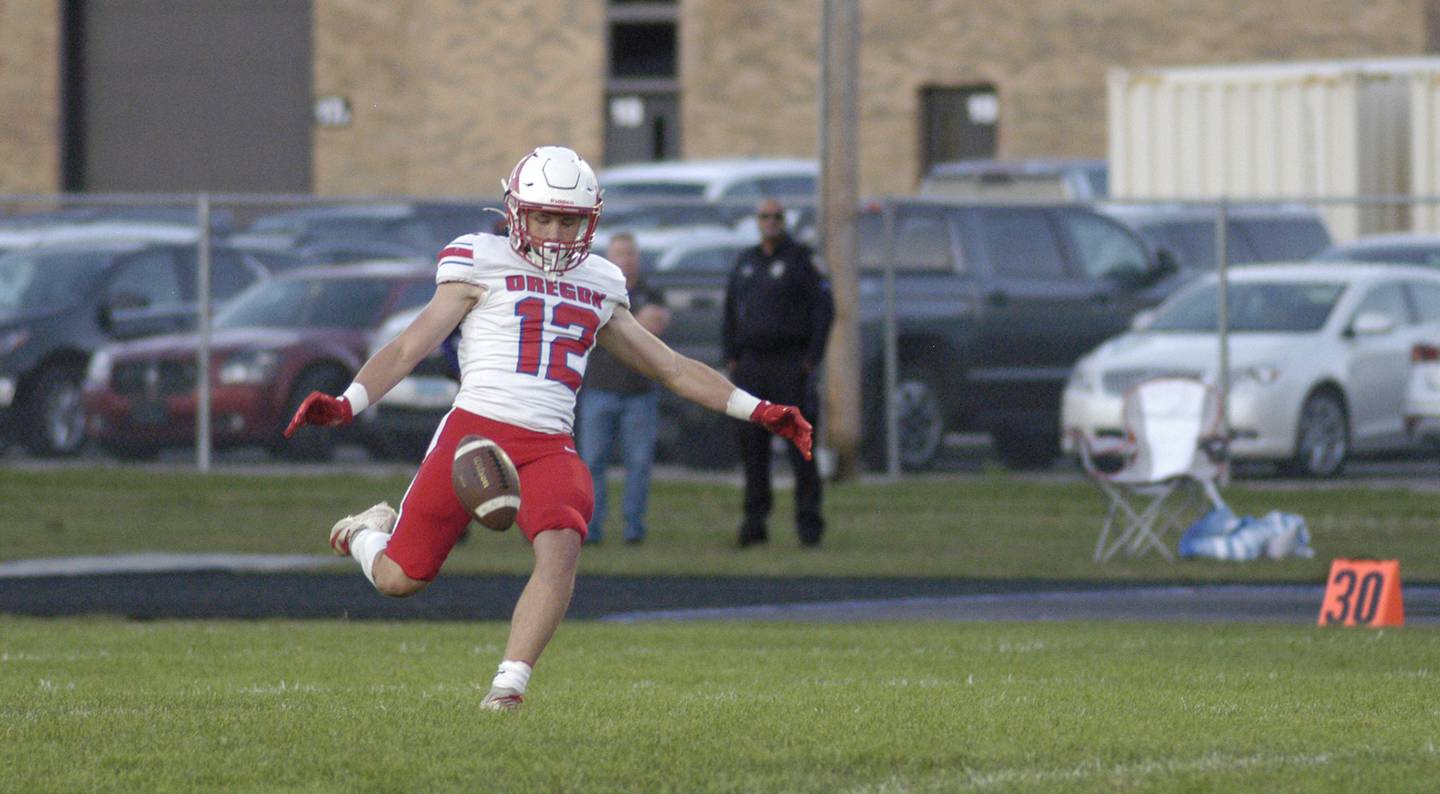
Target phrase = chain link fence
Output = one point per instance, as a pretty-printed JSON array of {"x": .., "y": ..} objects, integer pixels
[{"x": 968, "y": 311}]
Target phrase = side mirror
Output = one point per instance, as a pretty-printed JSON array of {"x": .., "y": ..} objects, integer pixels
[{"x": 1371, "y": 324}]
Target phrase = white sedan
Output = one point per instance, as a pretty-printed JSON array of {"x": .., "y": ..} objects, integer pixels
[{"x": 1320, "y": 358}]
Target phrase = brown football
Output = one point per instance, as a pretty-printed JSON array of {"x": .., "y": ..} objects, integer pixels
[{"x": 486, "y": 482}]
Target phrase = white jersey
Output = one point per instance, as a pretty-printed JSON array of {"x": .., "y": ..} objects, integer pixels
[{"x": 524, "y": 346}]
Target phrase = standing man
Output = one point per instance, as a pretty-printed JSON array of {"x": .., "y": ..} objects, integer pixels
[
  {"x": 529, "y": 309},
  {"x": 620, "y": 401},
  {"x": 778, "y": 311}
]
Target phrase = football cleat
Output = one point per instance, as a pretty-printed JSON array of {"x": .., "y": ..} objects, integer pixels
[
  {"x": 502, "y": 699},
  {"x": 380, "y": 518}
]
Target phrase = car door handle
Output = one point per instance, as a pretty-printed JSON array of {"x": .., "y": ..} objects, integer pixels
[
  {"x": 998, "y": 298},
  {"x": 702, "y": 302}
]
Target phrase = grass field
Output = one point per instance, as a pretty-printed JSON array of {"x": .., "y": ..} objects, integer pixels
[
  {"x": 985, "y": 527},
  {"x": 90, "y": 704},
  {"x": 97, "y": 705}
]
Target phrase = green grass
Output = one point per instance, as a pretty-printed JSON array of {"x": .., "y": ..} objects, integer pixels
[
  {"x": 100, "y": 705},
  {"x": 989, "y": 526}
]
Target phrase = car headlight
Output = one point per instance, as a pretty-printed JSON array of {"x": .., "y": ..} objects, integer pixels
[
  {"x": 1261, "y": 374},
  {"x": 10, "y": 341},
  {"x": 248, "y": 367},
  {"x": 97, "y": 374}
]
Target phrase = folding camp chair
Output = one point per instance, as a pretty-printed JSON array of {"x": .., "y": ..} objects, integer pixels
[{"x": 1173, "y": 460}]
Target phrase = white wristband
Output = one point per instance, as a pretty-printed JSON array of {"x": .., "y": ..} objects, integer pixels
[
  {"x": 358, "y": 398},
  {"x": 741, "y": 404}
]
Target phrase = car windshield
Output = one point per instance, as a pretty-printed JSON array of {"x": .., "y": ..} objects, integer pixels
[
  {"x": 1270, "y": 306},
  {"x": 307, "y": 303},
  {"x": 1398, "y": 254},
  {"x": 31, "y": 281}
]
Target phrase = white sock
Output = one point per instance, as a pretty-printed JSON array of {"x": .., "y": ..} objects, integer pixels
[
  {"x": 364, "y": 545},
  {"x": 513, "y": 674}
]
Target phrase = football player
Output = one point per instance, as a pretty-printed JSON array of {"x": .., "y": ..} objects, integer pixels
[{"x": 529, "y": 308}]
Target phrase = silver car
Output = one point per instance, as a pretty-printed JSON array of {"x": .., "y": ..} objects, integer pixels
[{"x": 1320, "y": 358}]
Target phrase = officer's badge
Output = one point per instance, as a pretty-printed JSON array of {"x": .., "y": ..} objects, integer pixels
[{"x": 777, "y": 268}]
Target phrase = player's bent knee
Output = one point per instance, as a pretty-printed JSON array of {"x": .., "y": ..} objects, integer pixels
[{"x": 390, "y": 580}]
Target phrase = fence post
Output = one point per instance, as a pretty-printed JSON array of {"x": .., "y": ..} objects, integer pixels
[
  {"x": 892, "y": 351},
  {"x": 202, "y": 354},
  {"x": 1222, "y": 314}
]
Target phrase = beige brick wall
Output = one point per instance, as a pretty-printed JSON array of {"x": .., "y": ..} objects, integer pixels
[
  {"x": 449, "y": 94},
  {"x": 749, "y": 65},
  {"x": 29, "y": 96}
]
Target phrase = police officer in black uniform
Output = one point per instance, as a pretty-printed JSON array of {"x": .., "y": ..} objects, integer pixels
[{"x": 778, "y": 312}]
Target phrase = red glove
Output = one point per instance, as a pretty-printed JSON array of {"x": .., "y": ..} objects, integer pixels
[
  {"x": 321, "y": 409},
  {"x": 784, "y": 421}
]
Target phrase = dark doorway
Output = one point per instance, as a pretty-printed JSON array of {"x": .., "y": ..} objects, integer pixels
[{"x": 163, "y": 96}]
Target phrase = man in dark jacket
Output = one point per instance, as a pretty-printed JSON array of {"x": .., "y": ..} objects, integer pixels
[{"x": 778, "y": 312}]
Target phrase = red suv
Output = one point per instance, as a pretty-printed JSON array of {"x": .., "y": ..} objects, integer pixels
[{"x": 305, "y": 330}]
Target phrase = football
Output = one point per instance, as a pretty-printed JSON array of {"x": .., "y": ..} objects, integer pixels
[{"x": 486, "y": 482}]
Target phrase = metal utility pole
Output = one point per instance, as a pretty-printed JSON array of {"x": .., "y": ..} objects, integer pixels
[{"x": 838, "y": 200}]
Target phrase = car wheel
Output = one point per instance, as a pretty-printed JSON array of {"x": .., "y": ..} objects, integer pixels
[
  {"x": 52, "y": 416},
  {"x": 1322, "y": 437},
  {"x": 309, "y": 443},
  {"x": 1025, "y": 449},
  {"x": 919, "y": 418}
]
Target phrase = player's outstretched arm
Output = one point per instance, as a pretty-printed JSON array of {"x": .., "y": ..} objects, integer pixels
[
  {"x": 643, "y": 352},
  {"x": 391, "y": 363}
]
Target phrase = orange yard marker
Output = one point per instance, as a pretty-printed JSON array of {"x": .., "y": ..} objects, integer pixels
[{"x": 1363, "y": 593}]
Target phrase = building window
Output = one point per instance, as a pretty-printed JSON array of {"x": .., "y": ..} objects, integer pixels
[
  {"x": 642, "y": 49},
  {"x": 642, "y": 107}
]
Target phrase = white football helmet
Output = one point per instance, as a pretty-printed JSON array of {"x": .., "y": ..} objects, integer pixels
[{"x": 557, "y": 180}]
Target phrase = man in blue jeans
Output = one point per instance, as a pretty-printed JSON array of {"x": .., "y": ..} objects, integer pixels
[{"x": 618, "y": 401}]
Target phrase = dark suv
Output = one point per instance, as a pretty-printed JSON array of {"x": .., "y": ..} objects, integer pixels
[
  {"x": 994, "y": 303},
  {"x": 59, "y": 303}
]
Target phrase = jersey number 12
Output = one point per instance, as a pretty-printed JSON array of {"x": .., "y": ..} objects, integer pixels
[{"x": 532, "y": 339}]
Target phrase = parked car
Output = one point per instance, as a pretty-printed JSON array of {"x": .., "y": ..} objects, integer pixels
[
  {"x": 221, "y": 220},
  {"x": 421, "y": 228},
  {"x": 1044, "y": 179},
  {"x": 302, "y": 331},
  {"x": 734, "y": 185},
  {"x": 1422, "y": 393},
  {"x": 1409, "y": 249},
  {"x": 994, "y": 303},
  {"x": 401, "y": 424},
  {"x": 1255, "y": 233},
  {"x": 643, "y": 215},
  {"x": 20, "y": 236},
  {"x": 59, "y": 303},
  {"x": 1320, "y": 355}
]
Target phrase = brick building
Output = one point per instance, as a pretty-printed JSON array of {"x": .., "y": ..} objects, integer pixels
[{"x": 439, "y": 97}]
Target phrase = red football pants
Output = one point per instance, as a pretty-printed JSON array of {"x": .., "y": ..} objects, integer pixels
[{"x": 555, "y": 491}]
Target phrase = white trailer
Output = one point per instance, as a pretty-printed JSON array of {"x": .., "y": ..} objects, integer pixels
[{"x": 1310, "y": 129}]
